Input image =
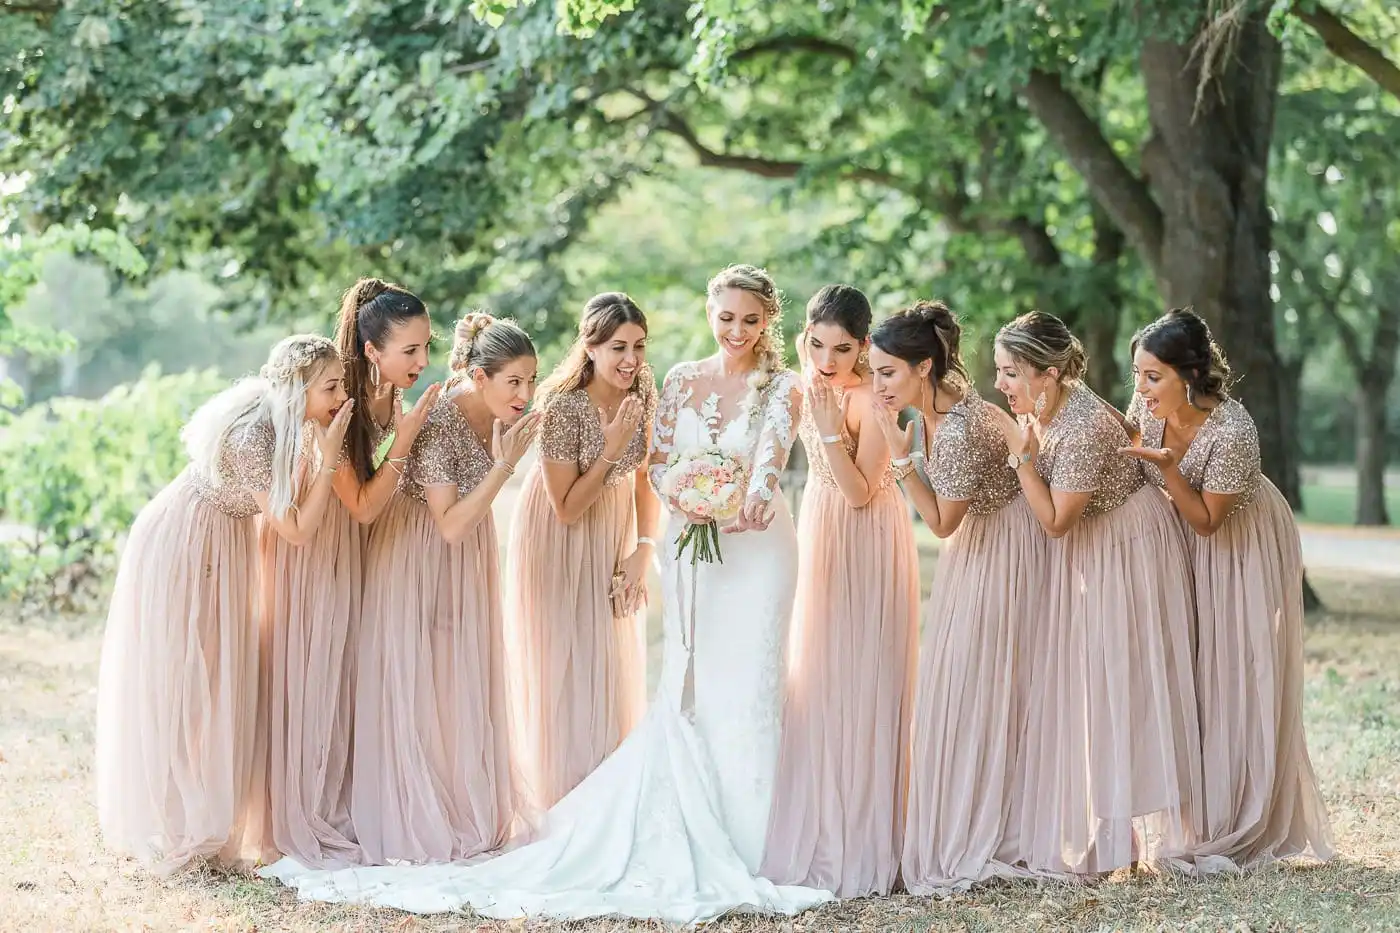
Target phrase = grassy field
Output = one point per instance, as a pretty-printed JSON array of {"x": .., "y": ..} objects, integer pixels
[
  {"x": 1329, "y": 495},
  {"x": 55, "y": 875}
]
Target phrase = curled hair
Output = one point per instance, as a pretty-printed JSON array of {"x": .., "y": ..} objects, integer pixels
[
  {"x": 1182, "y": 340},
  {"x": 769, "y": 346},
  {"x": 277, "y": 396},
  {"x": 602, "y": 316},
  {"x": 370, "y": 310},
  {"x": 482, "y": 342},
  {"x": 1043, "y": 342},
  {"x": 927, "y": 330}
]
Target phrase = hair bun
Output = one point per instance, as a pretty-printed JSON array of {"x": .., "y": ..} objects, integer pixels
[
  {"x": 366, "y": 290},
  {"x": 472, "y": 324}
]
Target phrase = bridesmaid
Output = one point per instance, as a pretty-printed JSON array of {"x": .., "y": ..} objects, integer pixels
[
  {"x": 581, "y": 541},
  {"x": 311, "y": 593},
  {"x": 433, "y": 781},
  {"x": 838, "y": 805},
  {"x": 973, "y": 678},
  {"x": 178, "y": 686},
  {"x": 1200, "y": 445},
  {"x": 1110, "y": 764}
]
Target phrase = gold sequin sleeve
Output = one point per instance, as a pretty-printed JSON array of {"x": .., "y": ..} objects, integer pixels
[
  {"x": 1233, "y": 463},
  {"x": 248, "y": 457},
  {"x": 561, "y": 426},
  {"x": 955, "y": 461},
  {"x": 430, "y": 460}
]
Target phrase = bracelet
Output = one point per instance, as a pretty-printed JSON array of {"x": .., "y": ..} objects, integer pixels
[
  {"x": 510, "y": 470},
  {"x": 612, "y": 462},
  {"x": 645, "y": 540},
  {"x": 902, "y": 462},
  {"x": 393, "y": 464},
  {"x": 831, "y": 438}
]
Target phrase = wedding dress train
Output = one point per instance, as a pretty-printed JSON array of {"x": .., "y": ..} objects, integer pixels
[{"x": 671, "y": 825}]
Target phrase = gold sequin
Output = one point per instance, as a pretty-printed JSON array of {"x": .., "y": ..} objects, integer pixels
[
  {"x": 818, "y": 465},
  {"x": 245, "y": 467},
  {"x": 571, "y": 431},
  {"x": 966, "y": 458},
  {"x": 1223, "y": 457},
  {"x": 1079, "y": 453},
  {"x": 446, "y": 452}
]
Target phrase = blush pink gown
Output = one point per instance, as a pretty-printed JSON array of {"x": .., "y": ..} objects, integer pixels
[
  {"x": 1261, "y": 798},
  {"x": 1110, "y": 759},
  {"x": 177, "y": 688},
  {"x": 577, "y": 673},
  {"x": 432, "y": 768},
  {"x": 974, "y": 672},
  {"x": 837, "y": 818}
]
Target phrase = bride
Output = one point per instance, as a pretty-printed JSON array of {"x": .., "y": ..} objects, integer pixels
[{"x": 671, "y": 826}]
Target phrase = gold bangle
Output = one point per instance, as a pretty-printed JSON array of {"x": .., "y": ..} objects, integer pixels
[{"x": 510, "y": 470}]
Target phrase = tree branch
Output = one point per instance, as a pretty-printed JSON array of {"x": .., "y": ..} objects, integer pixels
[
  {"x": 1342, "y": 42},
  {"x": 37, "y": 9},
  {"x": 796, "y": 42},
  {"x": 1331, "y": 303},
  {"x": 1123, "y": 195}
]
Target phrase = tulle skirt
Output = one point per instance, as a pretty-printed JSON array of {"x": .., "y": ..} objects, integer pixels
[
  {"x": 838, "y": 806},
  {"x": 1110, "y": 765},
  {"x": 177, "y": 689},
  {"x": 432, "y": 773},
  {"x": 311, "y": 610},
  {"x": 974, "y": 678},
  {"x": 1261, "y": 797},
  {"x": 577, "y": 674}
]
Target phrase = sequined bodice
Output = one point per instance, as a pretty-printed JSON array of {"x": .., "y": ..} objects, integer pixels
[
  {"x": 245, "y": 467},
  {"x": 1079, "y": 453},
  {"x": 572, "y": 431},
  {"x": 965, "y": 459},
  {"x": 1223, "y": 457},
  {"x": 447, "y": 452},
  {"x": 818, "y": 466}
]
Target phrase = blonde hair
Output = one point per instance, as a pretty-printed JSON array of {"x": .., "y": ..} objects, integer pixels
[
  {"x": 277, "y": 396},
  {"x": 1044, "y": 342},
  {"x": 483, "y": 342},
  {"x": 757, "y": 282},
  {"x": 602, "y": 316}
]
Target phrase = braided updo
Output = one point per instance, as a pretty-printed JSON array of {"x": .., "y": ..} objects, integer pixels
[
  {"x": 768, "y": 349},
  {"x": 927, "y": 330},
  {"x": 1043, "y": 342},
  {"x": 1182, "y": 340}
]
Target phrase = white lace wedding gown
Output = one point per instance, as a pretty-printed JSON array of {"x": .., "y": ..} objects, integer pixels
[{"x": 671, "y": 826}]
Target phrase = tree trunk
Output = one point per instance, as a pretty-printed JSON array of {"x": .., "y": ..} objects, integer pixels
[
  {"x": 1100, "y": 323},
  {"x": 1207, "y": 164},
  {"x": 1370, "y": 451}
]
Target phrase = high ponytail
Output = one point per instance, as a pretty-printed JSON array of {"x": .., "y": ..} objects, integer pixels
[{"x": 370, "y": 310}]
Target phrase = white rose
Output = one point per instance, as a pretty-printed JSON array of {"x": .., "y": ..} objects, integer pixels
[{"x": 689, "y": 499}]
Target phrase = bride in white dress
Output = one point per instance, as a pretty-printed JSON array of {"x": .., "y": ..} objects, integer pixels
[{"x": 671, "y": 825}]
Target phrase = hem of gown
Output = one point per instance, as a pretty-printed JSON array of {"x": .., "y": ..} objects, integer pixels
[{"x": 659, "y": 757}]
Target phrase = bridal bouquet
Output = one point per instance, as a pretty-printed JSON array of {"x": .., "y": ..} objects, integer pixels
[{"x": 708, "y": 484}]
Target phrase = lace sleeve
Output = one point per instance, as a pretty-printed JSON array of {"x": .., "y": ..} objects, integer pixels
[
  {"x": 779, "y": 416},
  {"x": 663, "y": 432}
]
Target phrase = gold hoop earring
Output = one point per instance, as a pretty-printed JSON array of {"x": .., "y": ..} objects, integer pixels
[{"x": 374, "y": 374}]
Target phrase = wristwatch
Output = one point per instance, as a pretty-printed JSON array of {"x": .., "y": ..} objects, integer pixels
[{"x": 1015, "y": 461}]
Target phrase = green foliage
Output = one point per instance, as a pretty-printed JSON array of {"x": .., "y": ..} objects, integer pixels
[{"x": 73, "y": 475}]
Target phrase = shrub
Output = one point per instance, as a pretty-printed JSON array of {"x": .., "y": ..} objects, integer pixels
[{"x": 73, "y": 475}]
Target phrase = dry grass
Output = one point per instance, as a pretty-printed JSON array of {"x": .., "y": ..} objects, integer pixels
[{"x": 54, "y": 874}]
